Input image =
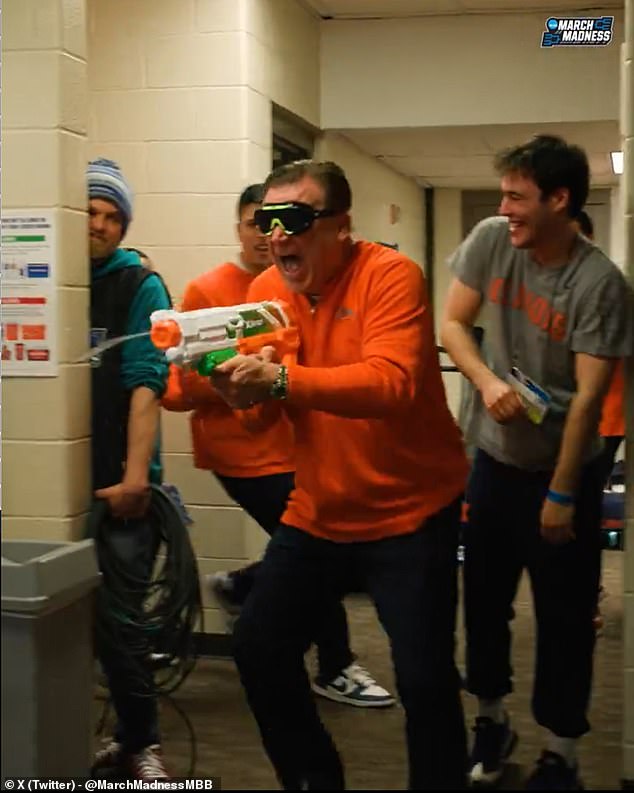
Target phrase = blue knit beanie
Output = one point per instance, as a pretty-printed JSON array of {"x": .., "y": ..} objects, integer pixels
[{"x": 106, "y": 181}]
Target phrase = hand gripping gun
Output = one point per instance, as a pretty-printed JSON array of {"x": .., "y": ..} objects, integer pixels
[{"x": 205, "y": 338}]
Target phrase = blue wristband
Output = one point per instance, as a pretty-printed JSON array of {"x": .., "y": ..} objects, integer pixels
[{"x": 560, "y": 498}]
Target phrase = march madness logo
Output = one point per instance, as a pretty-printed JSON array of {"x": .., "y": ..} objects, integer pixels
[{"x": 578, "y": 32}]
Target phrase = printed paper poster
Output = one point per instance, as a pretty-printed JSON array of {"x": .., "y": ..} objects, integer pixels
[{"x": 28, "y": 293}]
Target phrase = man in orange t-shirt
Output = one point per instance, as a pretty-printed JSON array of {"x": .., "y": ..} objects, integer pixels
[
  {"x": 612, "y": 426},
  {"x": 380, "y": 470},
  {"x": 257, "y": 469}
]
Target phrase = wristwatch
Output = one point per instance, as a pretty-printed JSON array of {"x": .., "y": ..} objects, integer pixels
[{"x": 279, "y": 389}]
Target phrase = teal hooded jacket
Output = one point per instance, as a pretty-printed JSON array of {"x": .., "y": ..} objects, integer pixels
[{"x": 141, "y": 363}]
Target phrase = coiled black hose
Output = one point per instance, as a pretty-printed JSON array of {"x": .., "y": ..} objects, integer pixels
[{"x": 148, "y": 623}]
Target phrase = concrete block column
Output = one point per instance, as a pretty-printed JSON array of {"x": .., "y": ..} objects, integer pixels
[{"x": 46, "y": 421}]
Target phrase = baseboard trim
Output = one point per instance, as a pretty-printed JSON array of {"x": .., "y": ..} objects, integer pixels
[{"x": 212, "y": 645}]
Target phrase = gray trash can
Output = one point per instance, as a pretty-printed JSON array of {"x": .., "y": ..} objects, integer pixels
[{"x": 47, "y": 657}]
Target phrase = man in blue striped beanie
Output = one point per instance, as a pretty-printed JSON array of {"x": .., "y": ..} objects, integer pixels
[
  {"x": 105, "y": 181},
  {"x": 127, "y": 384}
]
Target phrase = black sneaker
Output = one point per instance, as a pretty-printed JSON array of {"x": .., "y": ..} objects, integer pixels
[
  {"x": 354, "y": 686},
  {"x": 553, "y": 773},
  {"x": 493, "y": 745}
]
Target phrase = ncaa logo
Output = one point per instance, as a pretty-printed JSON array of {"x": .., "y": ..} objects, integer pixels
[{"x": 578, "y": 32}]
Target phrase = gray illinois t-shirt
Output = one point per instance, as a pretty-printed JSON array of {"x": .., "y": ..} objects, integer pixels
[{"x": 538, "y": 318}]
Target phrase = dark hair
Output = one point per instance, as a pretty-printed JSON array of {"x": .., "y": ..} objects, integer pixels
[
  {"x": 585, "y": 224},
  {"x": 329, "y": 175},
  {"x": 551, "y": 163},
  {"x": 253, "y": 194}
]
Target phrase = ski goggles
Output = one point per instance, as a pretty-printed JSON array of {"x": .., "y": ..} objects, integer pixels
[{"x": 293, "y": 218}]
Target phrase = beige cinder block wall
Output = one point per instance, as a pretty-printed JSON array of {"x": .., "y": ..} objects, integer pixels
[
  {"x": 377, "y": 191},
  {"x": 46, "y": 421},
  {"x": 180, "y": 94}
]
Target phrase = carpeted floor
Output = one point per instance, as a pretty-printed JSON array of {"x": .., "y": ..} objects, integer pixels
[{"x": 371, "y": 742}]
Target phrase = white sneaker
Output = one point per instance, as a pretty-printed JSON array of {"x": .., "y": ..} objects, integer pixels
[
  {"x": 221, "y": 587},
  {"x": 147, "y": 765},
  {"x": 354, "y": 686},
  {"x": 110, "y": 757}
]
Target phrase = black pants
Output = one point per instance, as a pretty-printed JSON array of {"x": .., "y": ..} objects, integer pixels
[
  {"x": 502, "y": 538},
  {"x": 611, "y": 445},
  {"x": 135, "y": 544},
  {"x": 264, "y": 499},
  {"x": 412, "y": 581}
]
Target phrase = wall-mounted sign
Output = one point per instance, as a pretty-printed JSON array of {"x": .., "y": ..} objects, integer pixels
[{"x": 28, "y": 293}]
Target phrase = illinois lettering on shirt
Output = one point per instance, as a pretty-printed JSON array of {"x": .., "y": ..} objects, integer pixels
[{"x": 536, "y": 307}]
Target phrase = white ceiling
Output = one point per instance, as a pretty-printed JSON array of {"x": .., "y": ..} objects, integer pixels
[
  {"x": 387, "y": 9},
  {"x": 462, "y": 156}
]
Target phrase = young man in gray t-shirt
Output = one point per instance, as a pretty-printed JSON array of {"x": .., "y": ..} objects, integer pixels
[{"x": 558, "y": 320}]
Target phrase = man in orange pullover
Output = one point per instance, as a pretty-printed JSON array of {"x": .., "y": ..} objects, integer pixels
[
  {"x": 257, "y": 469},
  {"x": 380, "y": 470}
]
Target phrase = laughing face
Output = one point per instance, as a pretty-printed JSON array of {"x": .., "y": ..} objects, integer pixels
[
  {"x": 532, "y": 218},
  {"x": 254, "y": 252},
  {"x": 308, "y": 261}
]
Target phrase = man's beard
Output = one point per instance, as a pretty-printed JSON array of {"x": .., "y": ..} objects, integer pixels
[{"x": 99, "y": 250}]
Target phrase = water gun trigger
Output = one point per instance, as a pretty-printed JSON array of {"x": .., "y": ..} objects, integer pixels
[{"x": 211, "y": 360}]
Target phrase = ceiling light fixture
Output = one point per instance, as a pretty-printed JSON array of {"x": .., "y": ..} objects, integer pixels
[{"x": 617, "y": 161}]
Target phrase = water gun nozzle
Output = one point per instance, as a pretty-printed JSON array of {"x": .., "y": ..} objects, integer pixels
[{"x": 165, "y": 333}]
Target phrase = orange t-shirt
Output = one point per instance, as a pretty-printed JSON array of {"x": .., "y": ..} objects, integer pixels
[
  {"x": 221, "y": 443},
  {"x": 377, "y": 449},
  {"x": 613, "y": 415}
]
